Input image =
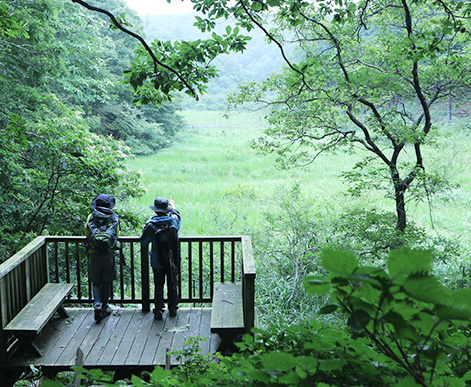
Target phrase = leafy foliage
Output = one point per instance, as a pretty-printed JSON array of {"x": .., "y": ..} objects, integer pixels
[
  {"x": 402, "y": 327},
  {"x": 404, "y": 311},
  {"x": 298, "y": 227},
  {"x": 51, "y": 167}
]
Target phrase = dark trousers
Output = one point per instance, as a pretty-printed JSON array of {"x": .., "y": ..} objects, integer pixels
[
  {"x": 172, "y": 292},
  {"x": 101, "y": 293}
]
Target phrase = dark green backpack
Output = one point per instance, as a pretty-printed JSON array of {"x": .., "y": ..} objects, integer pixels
[{"x": 102, "y": 236}]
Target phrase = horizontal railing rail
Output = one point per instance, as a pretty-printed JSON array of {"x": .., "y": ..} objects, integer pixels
[{"x": 205, "y": 260}]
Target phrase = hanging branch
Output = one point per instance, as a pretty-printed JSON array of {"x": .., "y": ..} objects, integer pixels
[{"x": 143, "y": 42}]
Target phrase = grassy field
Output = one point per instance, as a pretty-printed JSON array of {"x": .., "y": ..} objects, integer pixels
[{"x": 222, "y": 186}]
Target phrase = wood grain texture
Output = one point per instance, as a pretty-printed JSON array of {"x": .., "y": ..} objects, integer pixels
[
  {"x": 34, "y": 316},
  {"x": 227, "y": 312},
  {"x": 126, "y": 338}
]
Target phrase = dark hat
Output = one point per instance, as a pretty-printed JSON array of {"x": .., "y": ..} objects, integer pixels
[
  {"x": 160, "y": 205},
  {"x": 103, "y": 200}
]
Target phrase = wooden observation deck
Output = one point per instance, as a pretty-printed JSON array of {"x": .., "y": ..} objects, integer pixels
[{"x": 129, "y": 339}]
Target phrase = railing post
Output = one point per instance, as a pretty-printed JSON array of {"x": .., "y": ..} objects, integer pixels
[
  {"x": 46, "y": 262},
  {"x": 3, "y": 322},
  {"x": 145, "y": 282},
  {"x": 248, "y": 283}
]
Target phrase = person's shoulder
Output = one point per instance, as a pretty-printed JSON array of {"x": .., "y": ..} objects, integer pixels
[{"x": 175, "y": 214}]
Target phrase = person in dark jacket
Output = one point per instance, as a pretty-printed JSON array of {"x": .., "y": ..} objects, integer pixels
[
  {"x": 102, "y": 231},
  {"x": 162, "y": 232}
]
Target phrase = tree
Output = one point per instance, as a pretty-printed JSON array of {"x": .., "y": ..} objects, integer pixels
[{"x": 368, "y": 74}]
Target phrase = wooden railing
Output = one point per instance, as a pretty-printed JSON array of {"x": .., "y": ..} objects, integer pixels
[{"x": 205, "y": 260}]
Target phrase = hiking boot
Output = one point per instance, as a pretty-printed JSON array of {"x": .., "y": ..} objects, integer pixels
[
  {"x": 105, "y": 311},
  {"x": 173, "y": 312},
  {"x": 98, "y": 313},
  {"x": 157, "y": 315}
]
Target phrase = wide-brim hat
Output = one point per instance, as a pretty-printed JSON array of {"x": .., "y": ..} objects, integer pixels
[
  {"x": 103, "y": 200},
  {"x": 160, "y": 205}
]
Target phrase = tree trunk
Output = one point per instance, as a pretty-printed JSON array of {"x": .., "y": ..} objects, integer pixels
[
  {"x": 400, "y": 209},
  {"x": 449, "y": 107}
]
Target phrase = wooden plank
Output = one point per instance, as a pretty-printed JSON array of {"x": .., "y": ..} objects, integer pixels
[
  {"x": 227, "y": 310},
  {"x": 224, "y": 238},
  {"x": 21, "y": 255},
  {"x": 60, "y": 339},
  {"x": 194, "y": 323},
  {"x": 145, "y": 279},
  {"x": 89, "y": 332},
  {"x": 248, "y": 273},
  {"x": 109, "y": 325},
  {"x": 51, "y": 357},
  {"x": 78, "y": 362},
  {"x": 142, "y": 335},
  {"x": 152, "y": 341},
  {"x": 205, "y": 330},
  {"x": 116, "y": 338},
  {"x": 67, "y": 357},
  {"x": 247, "y": 254},
  {"x": 182, "y": 329},
  {"x": 166, "y": 339},
  {"x": 129, "y": 338},
  {"x": 190, "y": 270},
  {"x": 52, "y": 331},
  {"x": 33, "y": 317}
]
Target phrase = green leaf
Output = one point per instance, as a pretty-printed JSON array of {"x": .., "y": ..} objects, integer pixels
[
  {"x": 467, "y": 376},
  {"x": 328, "y": 309},
  {"x": 290, "y": 379},
  {"x": 331, "y": 364},
  {"x": 449, "y": 381},
  {"x": 315, "y": 285},
  {"x": 339, "y": 261},
  {"x": 461, "y": 297},
  {"x": 405, "y": 261},
  {"x": 427, "y": 289},
  {"x": 305, "y": 364},
  {"x": 278, "y": 361},
  {"x": 407, "y": 382},
  {"x": 451, "y": 313}
]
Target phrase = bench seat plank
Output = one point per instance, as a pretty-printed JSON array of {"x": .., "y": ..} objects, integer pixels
[
  {"x": 227, "y": 312},
  {"x": 39, "y": 310}
]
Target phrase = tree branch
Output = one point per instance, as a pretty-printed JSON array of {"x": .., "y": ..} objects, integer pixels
[
  {"x": 280, "y": 46},
  {"x": 143, "y": 42}
]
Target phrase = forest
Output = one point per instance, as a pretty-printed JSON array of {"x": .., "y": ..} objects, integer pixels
[{"x": 335, "y": 133}]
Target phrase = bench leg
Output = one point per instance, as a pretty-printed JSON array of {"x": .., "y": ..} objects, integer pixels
[
  {"x": 62, "y": 312},
  {"x": 227, "y": 345},
  {"x": 36, "y": 351},
  {"x": 26, "y": 345}
]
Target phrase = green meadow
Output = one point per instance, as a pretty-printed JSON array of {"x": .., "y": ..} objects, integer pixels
[{"x": 222, "y": 186}]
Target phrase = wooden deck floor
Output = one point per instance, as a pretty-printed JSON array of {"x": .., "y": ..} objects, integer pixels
[{"x": 127, "y": 338}]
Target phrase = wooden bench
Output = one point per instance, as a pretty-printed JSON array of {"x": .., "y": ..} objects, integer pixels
[
  {"x": 227, "y": 316},
  {"x": 29, "y": 322}
]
